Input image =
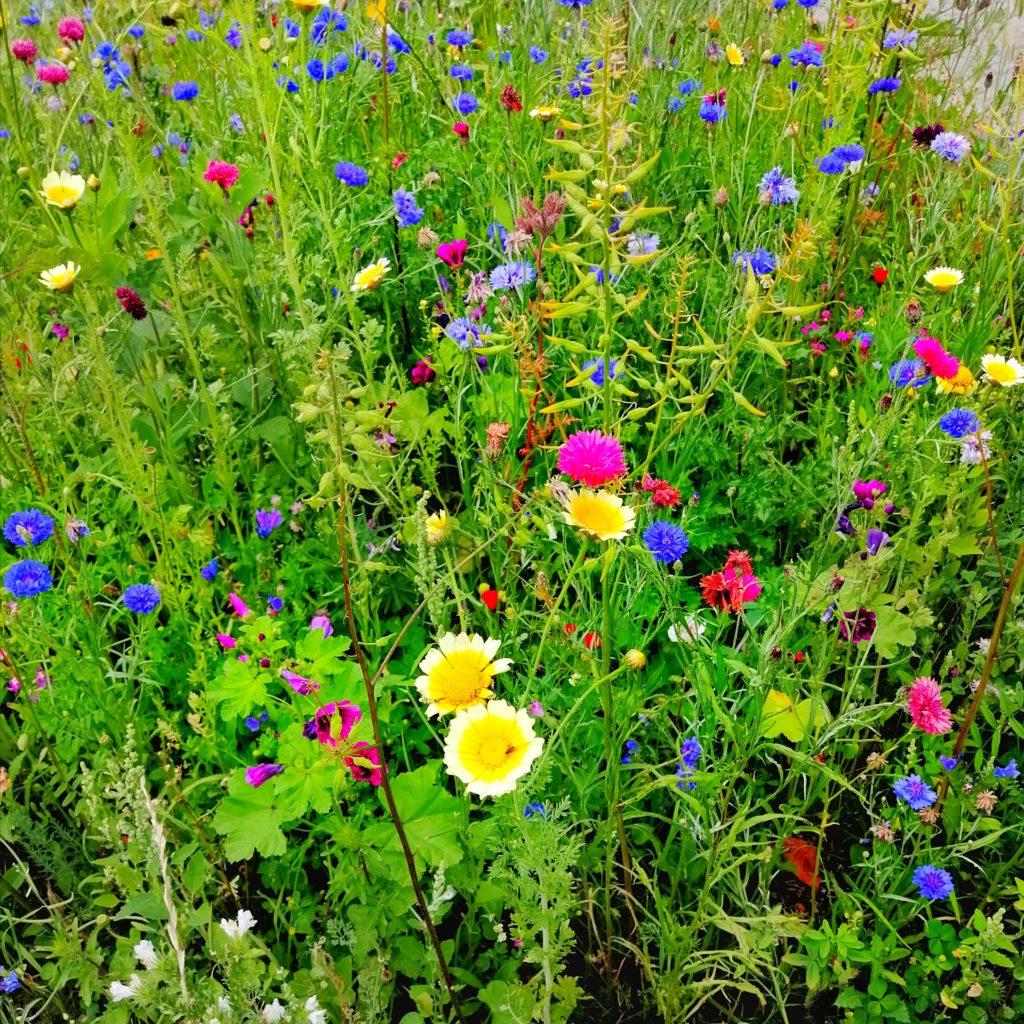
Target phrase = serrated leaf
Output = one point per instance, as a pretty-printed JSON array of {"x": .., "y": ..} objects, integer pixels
[
  {"x": 892, "y": 631},
  {"x": 782, "y": 716},
  {"x": 250, "y": 820}
]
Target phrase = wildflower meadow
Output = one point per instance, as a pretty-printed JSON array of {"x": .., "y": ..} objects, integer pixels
[{"x": 512, "y": 512}]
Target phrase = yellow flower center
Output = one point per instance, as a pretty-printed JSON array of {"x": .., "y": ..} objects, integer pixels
[
  {"x": 65, "y": 279},
  {"x": 1001, "y": 373},
  {"x": 461, "y": 680},
  {"x": 370, "y": 277},
  {"x": 492, "y": 748},
  {"x": 943, "y": 280},
  {"x": 597, "y": 515},
  {"x": 59, "y": 195}
]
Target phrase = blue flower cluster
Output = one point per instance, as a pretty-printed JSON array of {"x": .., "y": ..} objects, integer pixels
[
  {"x": 689, "y": 755},
  {"x": 407, "y": 213},
  {"x": 761, "y": 261}
]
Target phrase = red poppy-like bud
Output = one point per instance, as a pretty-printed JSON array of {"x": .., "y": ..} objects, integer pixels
[{"x": 878, "y": 275}]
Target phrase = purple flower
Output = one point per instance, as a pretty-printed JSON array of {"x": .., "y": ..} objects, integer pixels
[
  {"x": 257, "y": 774},
  {"x": 874, "y": 542},
  {"x": 1010, "y": 771},
  {"x": 300, "y": 684},
  {"x": 75, "y": 529},
  {"x": 915, "y": 791},
  {"x": 949, "y": 763},
  {"x": 323, "y": 623},
  {"x": 776, "y": 189},
  {"x": 950, "y": 146},
  {"x": 267, "y": 520},
  {"x": 858, "y": 626},
  {"x": 933, "y": 883}
]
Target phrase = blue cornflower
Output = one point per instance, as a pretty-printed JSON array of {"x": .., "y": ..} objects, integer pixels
[
  {"x": 905, "y": 372},
  {"x": 537, "y": 55},
  {"x": 233, "y": 36},
  {"x": 459, "y": 37},
  {"x": 28, "y": 528},
  {"x": 106, "y": 51},
  {"x": 292, "y": 29},
  {"x": 582, "y": 85},
  {"x": 326, "y": 21},
  {"x": 267, "y": 520},
  {"x": 950, "y": 146},
  {"x": 628, "y": 749},
  {"x": 780, "y": 5},
  {"x": 27, "y": 578},
  {"x": 775, "y": 60},
  {"x": 712, "y": 112},
  {"x": 761, "y": 261},
  {"x": 808, "y": 3},
  {"x": 806, "y": 55},
  {"x": 32, "y": 18},
  {"x": 496, "y": 232},
  {"x": 888, "y": 84},
  {"x": 831, "y": 163},
  {"x": 596, "y": 366},
  {"x": 274, "y": 604},
  {"x": 210, "y": 570},
  {"x": 340, "y": 64},
  {"x": 776, "y": 189},
  {"x": 465, "y": 103},
  {"x": 184, "y": 91},
  {"x": 316, "y": 70},
  {"x": 959, "y": 422},
  {"x": 675, "y": 103},
  {"x": 666, "y": 541},
  {"x": 194, "y": 36},
  {"x": 141, "y": 598},
  {"x": 691, "y": 85},
  {"x": 9, "y": 983},
  {"x": 461, "y": 72},
  {"x": 512, "y": 275},
  {"x": 536, "y": 810},
  {"x": 689, "y": 754},
  {"x": 915, "y": 791},
  {"x": 236, "y": 123},
  {"x": 933, "y": 883},
  {"x": 288, "y": 84},
  {"x": 851, "y": 152},
  {"x": 351, "y": 174},
  {"x": 576, "y": 3},
  {"x": 598, "y": 273},
  {"x": 397, "y": 43},
  {"x": 465, "y": 332},
  {"x": 407, "y": 213},
  {"x": 75, "y": 529},
  {"x": 793, "y": 86},
  {"x": 1008, "y": 771},
  {"x": 900, "y": 37},
  {"x": 949, "y": 763},
  {"x": 253, "y": 722},
  {"x": 136, "y": 31},
  {"x": 115, "y": 75}
]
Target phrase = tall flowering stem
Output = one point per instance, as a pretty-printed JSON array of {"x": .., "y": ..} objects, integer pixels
[{"x": 986, "y": 672}]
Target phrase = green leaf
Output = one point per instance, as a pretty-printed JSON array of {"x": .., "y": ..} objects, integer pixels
[
  {"x": 892, "y": 631},
  {"x": 241, "y": 687},
  {"x": 251, "y": 820},
  {"x": 430, "y": 814},
  {"x": 308, "y": 779},
  {"x": 509, "y": 1004}
]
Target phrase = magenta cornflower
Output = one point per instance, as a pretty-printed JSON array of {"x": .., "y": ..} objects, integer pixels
[
  {"x": 24, "y": 50},
  {"x": 592, "y": 458},
  {"x": 71, "y": 30},
  {"x": 936, "y": 358},
  {"x": 52, "y": 74},
  {"x": 219, "y": 172},
  {"x": 924, "y": 702}
]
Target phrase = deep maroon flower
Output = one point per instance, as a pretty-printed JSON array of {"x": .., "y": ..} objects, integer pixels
[
  {"x": 511, "y": 100},
  {"x": 925, "y": 134},
  {"x": 131, "y": 303},
  {"x": 858, "y": 626}
]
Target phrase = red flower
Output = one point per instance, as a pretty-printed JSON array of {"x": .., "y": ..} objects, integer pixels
[
  {"x": 879, "y": 274},
  {"x": 511, "y": 100},
  {"x": 400, "y": 159},
  {"x": 131, "y": 303},
  {"x": 569, "y": 629},
  {"x": 490, "y": 596},
  {"x": 591, "y": 640},
  {"x": 804, "y": 858},
  {"x": 715, "y": 591},
  {"x": 461, "y": 129},
  {"x": 739, "y": 560}
]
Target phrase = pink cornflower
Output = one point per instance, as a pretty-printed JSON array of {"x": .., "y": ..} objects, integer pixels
[
  {"x": 52, "y": 74},
  {"x": 936, "y": 358},
  {"x": 24, "y": 50},
  {"x": 71, "y": 30},
  {"x": 452, "y": 253},
  {"x": 221, "y": 173},
  {"x": 591, "y": 458},
  {"x": 461, "y": 129},
  {"x": 924, "y": 702}
]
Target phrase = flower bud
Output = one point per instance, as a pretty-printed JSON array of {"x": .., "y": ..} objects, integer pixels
[
  {"x": 93, "y": 182},
  {"x": 635, "y": 659}
]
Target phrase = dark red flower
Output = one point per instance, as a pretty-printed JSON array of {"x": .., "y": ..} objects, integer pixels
[
  {"x": 461, "y": 129},
  {"x": 131, "y": 303},
  {"x": 591, "y": 640},
  {"x": 511, "y": 100}
]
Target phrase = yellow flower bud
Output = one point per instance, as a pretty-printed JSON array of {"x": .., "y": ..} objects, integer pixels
[
  {"x": 635, "y": 659},
  {"x": 93, "y": 182}
]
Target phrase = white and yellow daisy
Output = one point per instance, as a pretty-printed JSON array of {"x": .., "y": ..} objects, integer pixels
[
  {"x": 62, "y": 189},
  {"x": 599, "y": 514},
  {"x": 60, "y": 278},
  {"x": 457, "y": 674},
  {"x": 490, "y": 747},
  {"x": 944, "y": 278},
  {"x": 544, "y": 113},
  {"x": 1002, "y": 370},
  {"x": 370, "y": 278}
]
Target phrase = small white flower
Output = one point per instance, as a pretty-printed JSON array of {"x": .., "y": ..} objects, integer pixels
[
  {"x": 223, "y": 1004},
  {"x": 689, "y": 632},
  {"x": 312, "y": 1004},
  {"x": 983, "y": 644},
  {"x": 272, "y": 1012},
  {"x": 119, "y": 991},
  {"x": 318, "y": 1017},
  {"x": 237, "y": 928},
  {"x": 145, "y": 953}
]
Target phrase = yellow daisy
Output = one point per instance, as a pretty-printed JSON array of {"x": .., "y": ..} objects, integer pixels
[
  {"x": 63, "y": 189},
  {"x": 734, "y": 55},
  {"x": 457, "y": 674},
  {"x": 1002, "y": 370},
  {"x": 309, "y": 5},
  {"x": 944, "y": 278},
  {"x": 599, "y": 514},
  {"x": 438, "y": 527},
  {"x": 962, "y": 383},
  {"x": 60, "y": 278},
  {"x": 544, "y": 113},
  {"x": 369, "y": 278},
  {"x": 491, "y": 747}
]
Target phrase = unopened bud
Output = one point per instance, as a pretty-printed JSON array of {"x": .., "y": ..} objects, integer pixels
[
  {"x": 93, "y": 182},
  {"x": 721, "y": 196},
  {"x": 635, "y": 659}
]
